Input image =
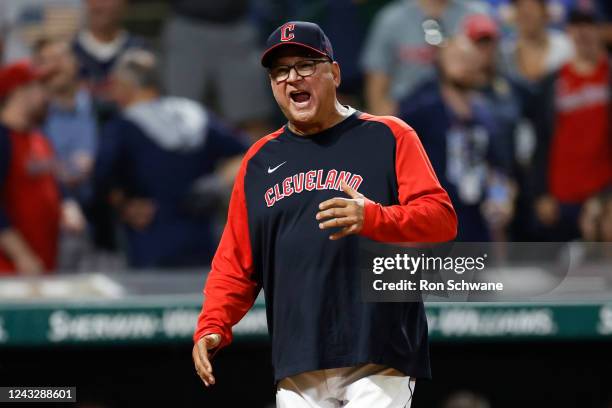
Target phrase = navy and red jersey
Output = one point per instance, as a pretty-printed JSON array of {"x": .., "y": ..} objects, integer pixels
[
  {"x": 29, "y": 194},
  {"x": 316, "y": 317}
]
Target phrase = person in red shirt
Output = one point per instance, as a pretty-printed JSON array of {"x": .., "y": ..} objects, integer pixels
[
  {"x": 29, "y": 195},
  {"x": 577, "y": 160}
]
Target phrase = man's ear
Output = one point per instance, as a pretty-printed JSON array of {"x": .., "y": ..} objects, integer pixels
[{"x": 336, "y": 73}]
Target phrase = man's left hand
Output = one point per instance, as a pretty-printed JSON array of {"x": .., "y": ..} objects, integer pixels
[{"x": 345, "y": 213}]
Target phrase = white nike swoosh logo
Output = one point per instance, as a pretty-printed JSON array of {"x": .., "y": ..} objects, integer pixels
[{"x": 270, "y": 171}]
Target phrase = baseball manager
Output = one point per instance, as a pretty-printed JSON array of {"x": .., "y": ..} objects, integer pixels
[{"x": 303, "y": 199}]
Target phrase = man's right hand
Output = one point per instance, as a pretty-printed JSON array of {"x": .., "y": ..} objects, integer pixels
[
  {"x": 201, "y": 358},
  {"x": 138, "y": 213}
]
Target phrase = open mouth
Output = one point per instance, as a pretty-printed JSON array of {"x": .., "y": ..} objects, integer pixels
[{"x": 299, "y": 96}]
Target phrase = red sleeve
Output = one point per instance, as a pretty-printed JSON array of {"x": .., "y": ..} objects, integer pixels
[
  {"x": 425, "y": 212},
  {"x": 231, "y": 289}
]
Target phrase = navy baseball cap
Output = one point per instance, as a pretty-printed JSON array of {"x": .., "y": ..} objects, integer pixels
[{"x": 300, "y": 33}]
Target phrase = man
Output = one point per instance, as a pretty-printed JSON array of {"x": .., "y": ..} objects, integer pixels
[
  {"x": 149, "y": 160},
  {"x": 536, "y": 51},
  {"x": 71, "y": 123},
  {"x": 461, "y": 136},
  {"x": 71, "y": 127},
  {"x": 99, "y": 45},
  {"x": 29, "y": 197},
  {"x": 285, "y": 201},
  {"x": 400, "y": 49},
  {"x": 25, "y": 21},
  {"x": 570, "y": 171},
  {"x": 212, "y": 46},
  {"x": 482, "y": 31},
  {"x": 513, "y": 141}
]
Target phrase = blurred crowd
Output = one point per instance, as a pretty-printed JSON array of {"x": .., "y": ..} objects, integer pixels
[{"x": 119, "y": 150}]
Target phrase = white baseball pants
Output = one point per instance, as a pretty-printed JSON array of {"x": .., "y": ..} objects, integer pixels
[{"x": 364, "y": 386}]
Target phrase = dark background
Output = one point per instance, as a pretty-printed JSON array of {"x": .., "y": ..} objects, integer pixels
[{"x": 510, "y": 374}]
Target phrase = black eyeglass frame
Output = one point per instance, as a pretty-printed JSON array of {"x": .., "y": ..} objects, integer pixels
[{"x": 316, "y": 61}]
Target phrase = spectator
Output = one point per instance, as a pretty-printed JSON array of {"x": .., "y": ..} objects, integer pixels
[
  {"x": 211, "y": 47},
  {"x": 399, "y": 52},
  {"x": 536, "y": 51},
  {"x": 72, "y": 129},
  {"x": 29, "y": 197},
  {"x": 160, "y": 146},
  {"x": 461, "y": 137},
  {"x": 71, "y": 124},
  {"x": 567, "y": 171},
  {"x": 482, "y": 31},
  {"x": 596, "y": 219},
  {"x": 26, "y": 21},
  {"x": 515, "y": 141},
  {"x": 98, "y": 46},
  {"x": 102, "y": 41},
  {"x": 529, "y": 58},
  {"x": 557, "y": 10}
]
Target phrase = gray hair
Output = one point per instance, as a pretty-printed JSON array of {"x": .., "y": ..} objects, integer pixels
[{"x": 139, "y": 67}]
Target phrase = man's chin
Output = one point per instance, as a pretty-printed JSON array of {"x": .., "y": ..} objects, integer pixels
[{"x": 302, "y": 116}]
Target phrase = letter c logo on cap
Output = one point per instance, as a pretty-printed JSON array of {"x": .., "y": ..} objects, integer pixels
[{"x": 286, "y": 34}]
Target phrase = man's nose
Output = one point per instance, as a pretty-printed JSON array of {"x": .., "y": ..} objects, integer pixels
[{"x": 293, "y": 75}]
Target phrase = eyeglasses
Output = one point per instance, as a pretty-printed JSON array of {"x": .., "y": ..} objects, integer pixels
[{"x": 304, "y": 68}]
